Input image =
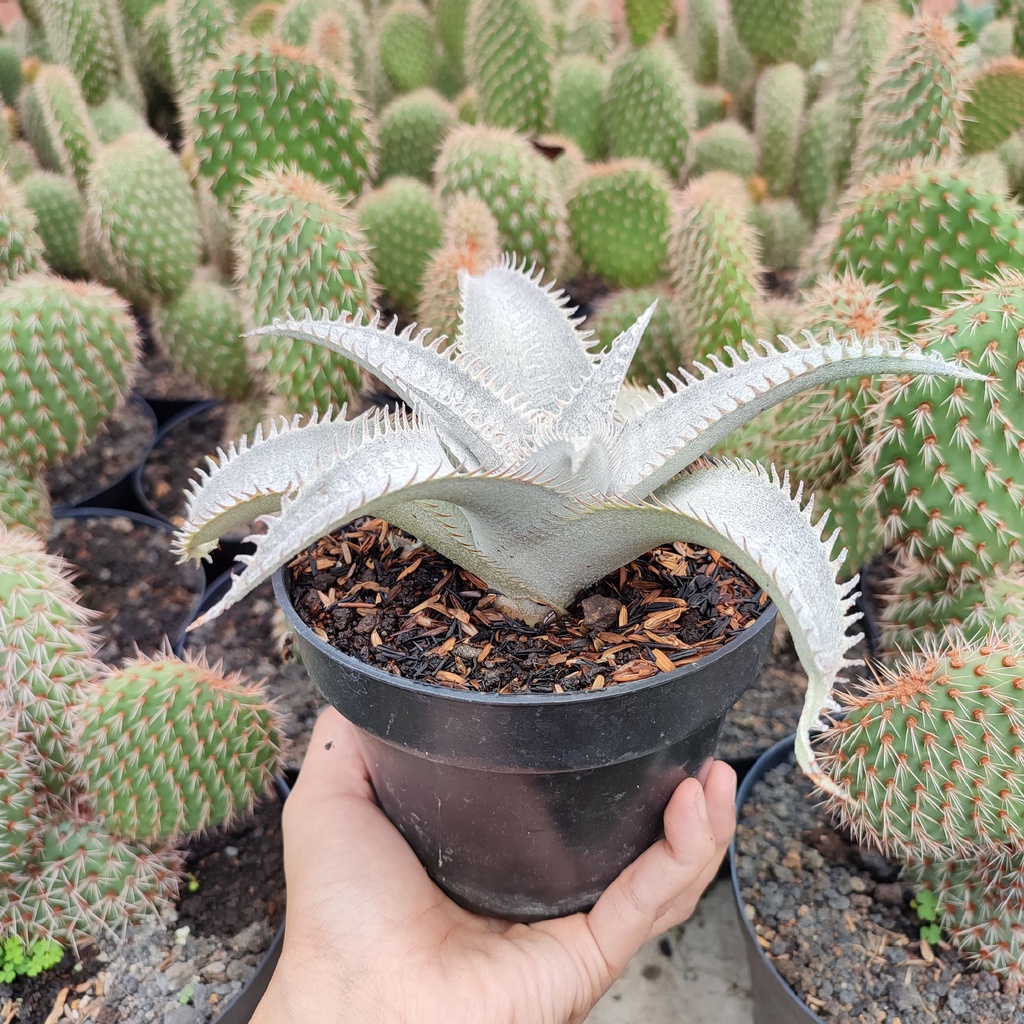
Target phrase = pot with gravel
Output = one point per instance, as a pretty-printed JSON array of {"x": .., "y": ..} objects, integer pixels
[
  {"x": 917, "y": 856},
  {"x": 531, "y": 465}
]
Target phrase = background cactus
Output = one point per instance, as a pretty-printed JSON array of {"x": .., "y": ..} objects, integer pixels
[
  {"x": 410, "y": 132},
  {"x": 722, "y": 146},
  {"x": 407, "y": 42},
  {"x": 578, "y": 103},
  {"x": 59, "y": 211},
  {"x": 779, "y": 104},
  {"x": 24, "y": 500},
  {"x": 83, "y": 38},
  {"x": 21, "y": 248},
  {"x": 199, "y": 29},
  {"x": 644, "y": 18},
  {"x": 994, "y": 105}
]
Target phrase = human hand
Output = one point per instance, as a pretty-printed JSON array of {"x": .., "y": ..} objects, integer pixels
[{"x": 370, "y": 939}]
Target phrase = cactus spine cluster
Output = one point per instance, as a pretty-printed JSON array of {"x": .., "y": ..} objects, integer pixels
[{"x": 101, "y": 770}]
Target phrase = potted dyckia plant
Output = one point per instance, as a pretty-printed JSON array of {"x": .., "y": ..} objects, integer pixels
[{"x": 528, "y": 460}]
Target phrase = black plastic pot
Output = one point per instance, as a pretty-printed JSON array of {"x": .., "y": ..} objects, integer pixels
[
  {"x": 527, "y": 807},
  {"x": 774, "y": 1001}
]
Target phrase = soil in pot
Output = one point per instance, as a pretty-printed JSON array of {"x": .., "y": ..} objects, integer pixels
[
  {"x": 836, "y": 921},
  {"x": 120, "y": 446},
  {"x": 375, "y": 593},
  {"x": 126, "y": 571}
]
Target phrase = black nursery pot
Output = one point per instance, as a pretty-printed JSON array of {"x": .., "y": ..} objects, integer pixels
[{"x": 526, "y": 807}]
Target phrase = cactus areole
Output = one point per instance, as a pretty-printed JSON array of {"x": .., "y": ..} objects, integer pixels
[{"x": 528, "y": 460}]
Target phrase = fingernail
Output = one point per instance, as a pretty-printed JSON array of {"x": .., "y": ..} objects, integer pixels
[{"x": 701, "y": 805}]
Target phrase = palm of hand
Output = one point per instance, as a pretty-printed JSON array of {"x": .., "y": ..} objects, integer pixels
[{"x": 371, "y": 938}]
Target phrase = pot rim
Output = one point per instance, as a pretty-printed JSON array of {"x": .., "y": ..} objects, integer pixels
[{"x": 281, "y": 591}]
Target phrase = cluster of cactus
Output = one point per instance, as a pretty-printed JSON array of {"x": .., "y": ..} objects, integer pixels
[
  {"x": 927, "y": 763},
  {"x": 104, "y": 771}
]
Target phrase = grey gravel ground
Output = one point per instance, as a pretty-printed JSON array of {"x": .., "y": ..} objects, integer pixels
[{"x": 836, "y": 922}]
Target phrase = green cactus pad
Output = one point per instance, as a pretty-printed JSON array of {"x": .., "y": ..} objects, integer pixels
[
  {"x": 644, "y": 18},
  {"x": 81, "y": 35},
  {"x": 698, "y": 39},
  {"x": 814, "y": 180},
  {"x": 778, "y": 111},
  {"x": 930, "y": 756},
  {"x": 59, "y": 211},
  {"x": 156, "y": 65},
  {"x": 145, "y": 257},
  {"x": 326, "y": 133},
  {"x": 912, "y": 109},
  {"x": 663, "y": 349},
  {"x": 994, "y": 108},
  {"x": 48, "y": 647},
  {"x": 19, "y": 791},
  {"x": 298, "y": 248},
  {"x": 517, "y": 184},
  {"x": 713, "y": 260},
  {"x": 402, "y": 223},
  {"x": 619, "y": 220},
  {"x": 650, "y": 108},
  {"x": 451, "y": 17},
  {"x": 407, "y": 46},
  {"x": 577, "y": 109},
  {"x": 57, "y": 123},
  {"x": 199, "y": 29},
  {"x": 950, "y": 482},
  {"x": 66, "y": 352},
  {"x": 588, "y": 30},
  {"x": 925, "y": 232},
  {"x": 723, "y": 146},
  {"x": 19, "y": 162},
  {"x": 201, "y": 331},
  {"x": 24, "y": 500},
  {"x": 21, "y": 248},
  {"x": 508, "y": 55},
  {"x": 411, "y": 129},
  {"x": 205, "y": 747},
  {"x": 779, "y": 30},
  {"x": 115, "y": 118},
  {"x": 10, "y": 72}
]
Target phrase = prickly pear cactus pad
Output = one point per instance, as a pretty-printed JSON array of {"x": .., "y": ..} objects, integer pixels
[
  {"x": 19, "y": 785},
  {"x": 949, "y": 475},
  {"x": 326, "y": 133},
  {"x": 410, "y": 131},
  {"x": 527, "y": 460},
  {"x": 923, "y": 232},
  {"x": 66, "y": 355},
  {"x": 171, "y": 747},
  {"x": 24, "y": 500},
  {"x": 408, "y": 47},
  {"x": 21, "y": 248},
  {"x": 929, "y": 759},
  {"x": 46, "y": 651},
  {"x": 994, "y": 108},
  {"x": 81, "y": 35},
  {"x": 60, "y": 211}
]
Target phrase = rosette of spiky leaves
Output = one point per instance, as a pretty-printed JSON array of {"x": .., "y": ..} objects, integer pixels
[
  {"x": 778, "y": 111},
  {"x": 402, "y": 224},
  {"x": 644, "y": 18},
  {"x": 925, "y": 231},
  {"x": 46, "y": 651},
  {"x": 199, "y": 29},
  {"x": 19, "y": 794},
  {"x": 928, "y": 759},
  {"x": 781, "y": 30},
  {"x": 471, "y": 245},
  {"x": 922, "y": 600},
  {"x": 650, "y": 108},
  {"x": 619, "y": 216},
  {"x": 24, "y": 500},
  {"x": 515, "y": 181},
  {"x": 913, "y": 105},
  {"x": 664, "y": 347},
  {"x": 59, "y": 210},
  {"x": 84, "y": 882},
  {"x": 862, "y": 44},
  {"x": 783, "y": 232},
  {"x": 21, "y": 248},
  {"x": 326, "y": 133},
  {"x": 66, "y": 354},
  {"x": 527, "y": 462},
  {"x": 82, "y": 37},
  {"x": 577, "y": 105},
  {"x": 57, "y": 123},
  {"x": 201, "y": 331},
  {"x": 410, "y": 131},
  {"x": 145, "y": 257},
  {"x": 299, "y": 247},
  {"x": 171, "y": 747},
  {"x": 722, "y": 146},
  {"x": 407, "y": 46},
  {"x": 979, "y": 900},
  {"x": 713, "y": 264},
  {"x": 994, "y": 107},
  {"x": 508, "y": 59},
  {"x": 949, "y": 478}
]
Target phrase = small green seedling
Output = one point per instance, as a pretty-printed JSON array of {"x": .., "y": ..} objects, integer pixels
[
  {"x": 191, "y": 882},
  {"x": 17, "y": 960},
  {"x": 926, "y": 903}
]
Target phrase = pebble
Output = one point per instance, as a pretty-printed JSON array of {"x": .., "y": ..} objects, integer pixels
[
  {"x": 179, "y": 1014},
  {"x": 254, "y": 938},
  {"x": 179, "y": 974},
  {"x": 216, "y": 970}
]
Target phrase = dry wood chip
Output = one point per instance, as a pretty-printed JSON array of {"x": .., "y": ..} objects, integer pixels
[
  {"x": 58, "y": 1007},
  {"x": 598, "y": 683},
  {"x": 623, "y": 615},
  {"x": 662, "y": 660},
  {"x": 634, "y": 670},
  {"x": 410, "y": 569},
  {"x": 320, "y": 632},
  {"x": 558, "y": 688},
  {"x": 326, "y": 599},
  {"x": 375, "y": 638},
  {"x": 443, "y": 650},
  {"x": 452, "y": 679},
  {"x": 322, "y": 562},
  {"x": 8, "y": 1012},
  {"x": 658, "y": 620}
]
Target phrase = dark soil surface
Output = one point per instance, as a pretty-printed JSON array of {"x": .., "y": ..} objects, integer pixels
[
  {"x": 837, "y": 924},
  {"x": 373, "y": 592},
  {"x": 122, "y": 444},
  {"x": 127, "y": 572}
]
